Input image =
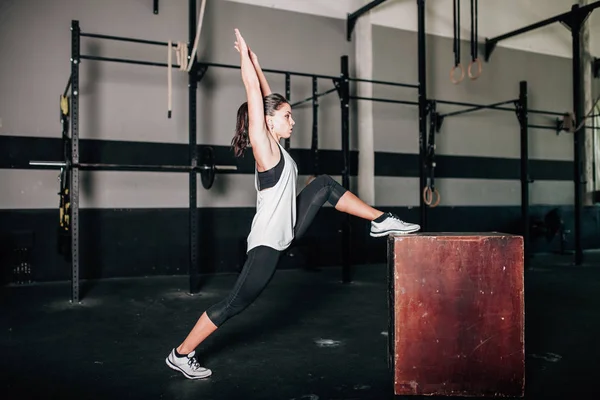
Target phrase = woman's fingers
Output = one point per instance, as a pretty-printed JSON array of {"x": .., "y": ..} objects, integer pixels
[{"x": 240, "y": 40}]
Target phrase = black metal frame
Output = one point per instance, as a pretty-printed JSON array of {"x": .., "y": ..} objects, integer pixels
[
  {"x": 193, "y": 148},
  {"x": 574, "y": 20},
  {"x": 74, "y": 165},
  {"x": 342, "y": 84},
  {"x": 522, "y": 109},
  {"x": 522, "y": 112},
  {"x": 74, "y": 187},
  {"x": 352, "y": 18}
]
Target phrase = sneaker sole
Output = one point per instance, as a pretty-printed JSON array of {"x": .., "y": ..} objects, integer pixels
[
  {"x": 385, "y": 233},
  {"x": 176, "y": 368}
]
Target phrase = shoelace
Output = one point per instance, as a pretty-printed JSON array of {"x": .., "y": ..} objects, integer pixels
[
  {"x": 392, "y": 216},
  {"x": 194, "y": 364}
]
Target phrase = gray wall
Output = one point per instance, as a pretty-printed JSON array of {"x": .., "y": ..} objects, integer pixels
[
  {"x": 485, "y": 133},
  {"x": 128, "y": 103}
]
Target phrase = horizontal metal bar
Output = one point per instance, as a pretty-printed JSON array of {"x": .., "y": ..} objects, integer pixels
[
  {"x": 124, "y": 39},
  {"x": 551, "y": 128},
  {"x": 131, "y": 167},
  {"x": 412, "y": 103},
  {"x": 545, "y": 112},
  {"x": 364, "y": 9},
  {"x": 59, "y": 164},
  {"x": 554, "y": 128},
  {"x": 548, "y": 21},
  {"x": 409, "y": 85},
  {"x": 457, "y": 103},
  {"x": 127, "y": 61},
  {"x": 273, "y": 71},
  {"x": 157, "y": 64},
  {"x": 311, "y": 97},
  {"x": 480, "y": 107}
]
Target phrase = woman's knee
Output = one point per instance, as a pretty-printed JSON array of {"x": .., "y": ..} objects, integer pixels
[
  {"x": 227, "y": 309},
  {"x": 336, "y": 190}
]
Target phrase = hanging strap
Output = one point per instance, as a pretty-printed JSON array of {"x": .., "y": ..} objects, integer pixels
[
  {"x": 474, "y": 35},
  {"x": 456, "y": 49},
  {"x": 181, "y": 53}
]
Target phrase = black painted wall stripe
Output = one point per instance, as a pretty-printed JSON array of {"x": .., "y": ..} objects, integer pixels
[
  {"x": 17, "y": 151},
  {"x": 144, "y": 242}
]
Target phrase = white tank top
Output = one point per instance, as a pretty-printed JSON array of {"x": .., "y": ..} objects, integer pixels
[{"x": 273, "y": 224}]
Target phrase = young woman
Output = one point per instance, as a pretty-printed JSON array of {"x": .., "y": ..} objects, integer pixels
[{"x": 281, "y": 215}]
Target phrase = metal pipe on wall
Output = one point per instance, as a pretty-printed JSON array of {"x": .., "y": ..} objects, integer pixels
[{"x": 193, "y": 148}]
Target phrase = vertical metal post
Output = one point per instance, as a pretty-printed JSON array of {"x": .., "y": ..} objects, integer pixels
[
  {"x": 422, "y": 112},
  {"x": 522, "y": 114},
  {"x": 345, "y": 101},
  {"x": 193, "y": 148},
  {"x": 315, "y": 127},
  {"x": 74, "y": 207},
  {"x": 288, "y": 97},
  {"x": 578, "y": 102}
]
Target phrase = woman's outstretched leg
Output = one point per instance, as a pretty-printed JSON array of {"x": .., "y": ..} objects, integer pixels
[
  {"x": 325, "y": 189},
  {"x": 258, "y": 270}
]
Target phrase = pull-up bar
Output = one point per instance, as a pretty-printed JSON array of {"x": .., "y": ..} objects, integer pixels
[
  {"x": 566, "y": 17},
  {"x": 574, "y": 20},
  {"x": 316, "y": 96},
  {"x": 212, "y": 64},
  {"x": 494, "y": 106},
  {"x": 123, "y": 39}
]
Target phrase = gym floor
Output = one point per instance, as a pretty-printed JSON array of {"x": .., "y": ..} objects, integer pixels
[{"x": 307, "y": 337}]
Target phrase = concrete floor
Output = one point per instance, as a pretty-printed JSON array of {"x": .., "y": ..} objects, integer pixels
[{"x": 307, "y": 337}]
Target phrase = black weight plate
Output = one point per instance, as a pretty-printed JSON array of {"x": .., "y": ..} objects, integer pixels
[{"x": 207, "y": 175}]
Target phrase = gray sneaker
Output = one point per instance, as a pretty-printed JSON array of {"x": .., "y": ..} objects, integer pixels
[
  {"x": 388, "y": 224},
  {"x": 188, "y": 366}
]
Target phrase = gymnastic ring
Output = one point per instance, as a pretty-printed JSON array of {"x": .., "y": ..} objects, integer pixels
[
  {"x": 462, "y": 74},
  {"x": 428, "y": 196},
  {"x": 478, "y": 61}
]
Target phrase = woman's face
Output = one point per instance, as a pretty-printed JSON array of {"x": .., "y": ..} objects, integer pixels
[{"x": 281, "y": 123}]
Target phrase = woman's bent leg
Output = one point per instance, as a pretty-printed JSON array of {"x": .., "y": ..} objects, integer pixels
[{"x": 325, "y": 189}]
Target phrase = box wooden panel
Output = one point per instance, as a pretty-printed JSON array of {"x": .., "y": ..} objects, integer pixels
[{"x": 456, "y": 314}]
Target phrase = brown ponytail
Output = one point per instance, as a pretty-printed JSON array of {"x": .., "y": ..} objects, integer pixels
[{"x": 241, "y": 140}]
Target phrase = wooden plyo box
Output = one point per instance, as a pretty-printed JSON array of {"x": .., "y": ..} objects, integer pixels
[{"x": 456, "y": 308}]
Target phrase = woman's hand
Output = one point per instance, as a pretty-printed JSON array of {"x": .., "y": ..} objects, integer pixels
[{"x": 240, "y": 44}]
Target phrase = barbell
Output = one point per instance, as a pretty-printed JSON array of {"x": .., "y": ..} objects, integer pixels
[{"x": 207, "y": 167}]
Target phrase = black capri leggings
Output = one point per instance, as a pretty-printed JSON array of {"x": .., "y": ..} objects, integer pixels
[{"x": 262, "y": 261}]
